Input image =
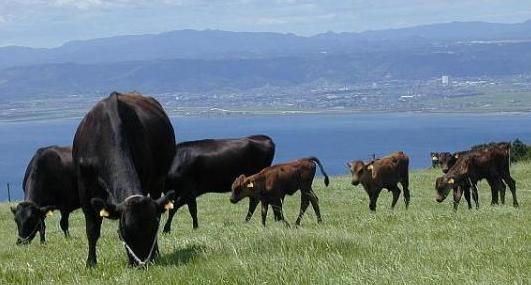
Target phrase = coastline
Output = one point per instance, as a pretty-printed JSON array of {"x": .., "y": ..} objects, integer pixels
[{"x": 221, "y": 113}]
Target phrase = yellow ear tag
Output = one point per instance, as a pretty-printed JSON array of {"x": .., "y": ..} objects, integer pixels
[
  {"x": 250, "y": 185},
  {"x": 370, "y": 167},
  {"x": 168, "y": 205},
  {"x": 451, "y": 181},
  {"x": 104, "y": 213},
  {"x": 49, "y": 213}
]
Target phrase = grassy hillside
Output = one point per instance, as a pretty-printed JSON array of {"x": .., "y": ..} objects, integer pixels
[{"x": 427, "y": 244}]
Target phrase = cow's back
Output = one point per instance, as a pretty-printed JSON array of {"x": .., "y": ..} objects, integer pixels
[
  {"x": 212, "y": 165},
  {"x": 391, "y": 169},
  {"x": 50, "y": 178},
  {"x": 125, "y": 127},
  {"x": 150, "y": 134},
  {"x": 288, "y": 177}
]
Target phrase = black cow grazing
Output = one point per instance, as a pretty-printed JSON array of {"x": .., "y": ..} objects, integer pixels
[
  {"x": 49, "y": 184},
  {"x": 211, "y": 166},
  {"x": 122, "y": 151},
  {"x": 490, "y": 163},
  {"x": 273, "y": 183},
  {"x": 385, "y": 172}
]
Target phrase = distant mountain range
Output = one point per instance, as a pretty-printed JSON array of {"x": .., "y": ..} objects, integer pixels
[{"x": 189, "y": 60}]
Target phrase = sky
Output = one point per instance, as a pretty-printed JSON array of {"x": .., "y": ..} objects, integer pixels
[{"x": 50, "y": 23}]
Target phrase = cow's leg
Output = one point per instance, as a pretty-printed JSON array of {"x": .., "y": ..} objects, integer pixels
[
  {"x": 265, "y": 205},
  {"x": 502, "y": 188},
  {"x": 192, "y": 208},
  {"x": 458, "y": 192},
  {"x": 475, "y": 195},
  {"x": 466, "y": 191},
  {"x": 42, "y": 232},
  {"x": 493, "y": 183},
  {"x": 253, "y": 203},
  {"x": 407, "y": 197},
  {"x": 374, "y": 193},
  {"x": 277, "y": 210},
  {"x": 396, "y": 193},
  {"x": 305, "y": 202},
  {"x": 315, "y": 205},
  {"x": 93, "y": 228},
  {"x": 64, "y": 223},
  {"x": 179, "y": 203},
  {"x": 512, "y": 185}
]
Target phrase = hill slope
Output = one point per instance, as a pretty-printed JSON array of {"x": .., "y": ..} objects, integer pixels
[{"x": 426, "y": 244}]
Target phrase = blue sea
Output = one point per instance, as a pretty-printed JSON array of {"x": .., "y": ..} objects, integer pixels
[{"x": 335, "y": 139}]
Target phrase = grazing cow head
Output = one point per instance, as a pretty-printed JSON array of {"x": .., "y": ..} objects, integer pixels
[
  {"x": 458, "y": 175},
  {"x": 447, "y": 160},
  {"x": 139, "y": 218},
  {"x": 241, "y": 187},
  {"x": 359, "y": 171},
  {"x": 30, "y": 219},
  {"x": 443, "y": 185}
]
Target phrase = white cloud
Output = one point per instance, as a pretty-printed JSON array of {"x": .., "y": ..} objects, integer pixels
[{"x": 79, "y": 4}]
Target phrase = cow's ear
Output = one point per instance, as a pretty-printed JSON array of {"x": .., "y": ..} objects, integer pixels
[
  {"x": 104, "y": 209},
  {"x": 13, "y": 210},
  {"x": 47, "y": 211},
  {"x": 248, "y": 183},
  {"x": 165, "y": 202},
  {"x": 349, "y": 165}
]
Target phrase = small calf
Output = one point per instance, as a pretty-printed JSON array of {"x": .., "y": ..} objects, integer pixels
[
  {"x": 385, "y": 172},
  {"x": 273, "y": 183}
]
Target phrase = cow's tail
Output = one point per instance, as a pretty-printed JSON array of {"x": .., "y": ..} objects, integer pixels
[{"x": 316, "y": 160}]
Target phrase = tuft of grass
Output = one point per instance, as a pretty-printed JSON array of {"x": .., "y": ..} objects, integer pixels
[{"x": 426, "y": 244}]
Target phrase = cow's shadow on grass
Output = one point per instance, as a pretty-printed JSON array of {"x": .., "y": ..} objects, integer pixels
[{"x": 182, "y": 256}]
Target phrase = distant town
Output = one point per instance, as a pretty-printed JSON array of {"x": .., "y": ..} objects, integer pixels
[{"x": 442, "y": 94}]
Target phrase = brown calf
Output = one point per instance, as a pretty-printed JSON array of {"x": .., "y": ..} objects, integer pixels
[
  {"x": 273, "y": 183},
  {"x": 490, "y": 163},
  {"x": 385, "y": 172}
]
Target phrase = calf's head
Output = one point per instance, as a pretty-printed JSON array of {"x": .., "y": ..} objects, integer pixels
[
  {"x": 241, "y": 187},
  {"x": 359, "y": 171},
  {"x": 434, "y": 157},
  {"x": 443, "y": 185},
  {"x": 139, "y": 219},
  {"x": 29, "y": 219},
  {"x": 447, "y": 160}
]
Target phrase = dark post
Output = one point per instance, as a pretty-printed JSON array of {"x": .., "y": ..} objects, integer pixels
[
  {"x": 373, "y": 156},
  {"x": 8, "y": 193}
]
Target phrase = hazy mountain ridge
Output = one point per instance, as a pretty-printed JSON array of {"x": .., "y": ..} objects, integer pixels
[
  {"x": 215, "y": 44},
  {"x": 197, "y": 61}
]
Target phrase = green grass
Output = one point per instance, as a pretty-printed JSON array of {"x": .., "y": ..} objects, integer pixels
[{"x": 427, "y": 244}]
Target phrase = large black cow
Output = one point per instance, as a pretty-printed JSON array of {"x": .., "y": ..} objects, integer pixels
[
  {"x": 122, "y": 152},
  {"x": 212, "y": 165},
  {"x": 49, "y": 184}
]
